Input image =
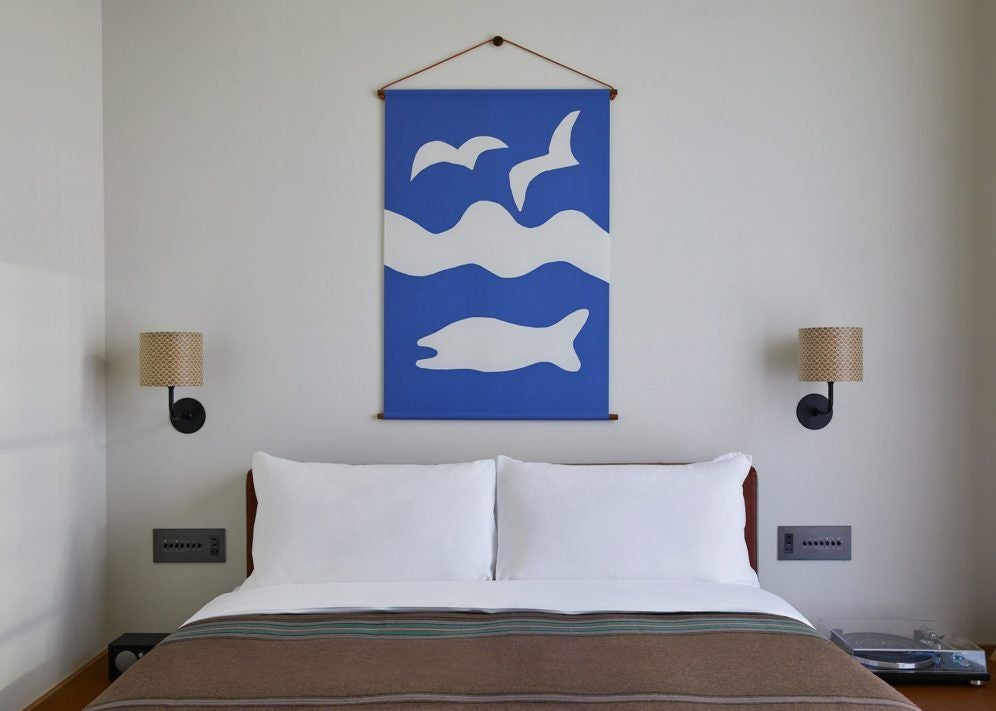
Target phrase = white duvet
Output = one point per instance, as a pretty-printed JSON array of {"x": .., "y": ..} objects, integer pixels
[{"x": 561, "y": 596}]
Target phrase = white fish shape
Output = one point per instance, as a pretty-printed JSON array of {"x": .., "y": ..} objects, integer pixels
[
  {"x": 490, "y": 345},
  {"x": 559, "y": 155},
  {"x": 441, "y": 152},
  {"x": 487, "y": 235}
]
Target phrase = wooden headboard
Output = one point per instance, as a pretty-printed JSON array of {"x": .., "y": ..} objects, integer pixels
[{"x": 750, "y": 529}]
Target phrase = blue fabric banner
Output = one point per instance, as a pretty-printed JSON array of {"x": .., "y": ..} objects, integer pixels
[{"x": 496, "y": 254}]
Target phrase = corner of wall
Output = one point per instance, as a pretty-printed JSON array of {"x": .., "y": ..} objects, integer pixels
[{"x": 985, "y": 314}]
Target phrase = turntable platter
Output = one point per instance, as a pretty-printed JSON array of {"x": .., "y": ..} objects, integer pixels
[
  {"x": 896, "y": 660},
  {"x": 888, "y": 651}
]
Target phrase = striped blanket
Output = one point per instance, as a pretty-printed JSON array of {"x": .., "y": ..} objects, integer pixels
[{"x": 503, "y": 660}]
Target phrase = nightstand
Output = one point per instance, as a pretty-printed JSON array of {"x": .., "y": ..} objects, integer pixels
[{"x": 956, "y": 697}]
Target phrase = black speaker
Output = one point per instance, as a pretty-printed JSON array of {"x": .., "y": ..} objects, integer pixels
[{"x": 128, "y": 649}]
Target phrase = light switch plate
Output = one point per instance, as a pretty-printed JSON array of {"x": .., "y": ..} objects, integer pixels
[
  {"x": 188, "y": 545},
  {"x": 814, "y": 543}
]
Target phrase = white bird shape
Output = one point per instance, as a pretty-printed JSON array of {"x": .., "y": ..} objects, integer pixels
[
  {"x": 441, "y": 152},
  {"x": 558, "y": 156}
]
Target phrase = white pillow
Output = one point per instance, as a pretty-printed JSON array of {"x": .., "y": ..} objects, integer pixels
[
  {"x": 319, "y": 523},
  {"x": 666, "y": 522}
]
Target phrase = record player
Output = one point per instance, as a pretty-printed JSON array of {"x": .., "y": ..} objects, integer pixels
[{"x": 911, "y": 651}]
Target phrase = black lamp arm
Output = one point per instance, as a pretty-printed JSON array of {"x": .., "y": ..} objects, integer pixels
[
  {"x": 187, "y": 414},
  {"x": 829, "y": 409}
]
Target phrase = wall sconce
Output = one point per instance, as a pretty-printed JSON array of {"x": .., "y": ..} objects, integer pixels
[
  {"x": 171, "y": 358},
  {"x": 829, "y": 354}
]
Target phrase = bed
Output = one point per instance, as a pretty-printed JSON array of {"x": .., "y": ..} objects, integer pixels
[{"x": 678, "y": 644}]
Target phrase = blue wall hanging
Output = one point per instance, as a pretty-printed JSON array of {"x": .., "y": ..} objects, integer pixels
[{"x": 496, "y": 254}]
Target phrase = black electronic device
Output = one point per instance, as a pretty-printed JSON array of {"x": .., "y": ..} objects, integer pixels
[{"x": 128, "y": 649}]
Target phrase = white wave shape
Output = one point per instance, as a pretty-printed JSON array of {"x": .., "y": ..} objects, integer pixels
[
  {"x": 559, "y": 155},
  {"x": 487, "y": 235},
  {"x": 441, "y": 152},
  {"x": 491, "y": 345}
]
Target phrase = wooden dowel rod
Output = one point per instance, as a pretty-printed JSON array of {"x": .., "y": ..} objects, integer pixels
[{"x": 613, "y": 416}]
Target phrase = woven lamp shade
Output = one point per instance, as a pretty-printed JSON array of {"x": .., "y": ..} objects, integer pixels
[
  {"x": 171, "y": 358},
  {"x": 831, "y": 354}
]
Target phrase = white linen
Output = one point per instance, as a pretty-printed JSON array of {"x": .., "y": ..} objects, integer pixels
[
  {"x": 561, "y": 596},
  {"x": 636, "y": 521},
  {"x": 323, "y": 523}
]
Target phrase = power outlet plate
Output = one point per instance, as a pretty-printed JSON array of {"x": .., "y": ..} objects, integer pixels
[
  {"x": 814, "y": 543},
  {"x": 188, "y": 545}
]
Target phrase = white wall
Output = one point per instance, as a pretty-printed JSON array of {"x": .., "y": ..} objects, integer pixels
[
  {"x": 986, "y": 313},
  {"x": 52, "y": 469},
  {"x": 775, "y": 164}
]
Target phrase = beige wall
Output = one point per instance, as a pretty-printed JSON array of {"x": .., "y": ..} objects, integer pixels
[
  {"x": 52, "y": 469},
  {"x": 775, "y": 164},
  {"x": 986, "y": 316}
]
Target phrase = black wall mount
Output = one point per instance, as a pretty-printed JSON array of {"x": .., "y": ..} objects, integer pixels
[
  {"x": 815, "y": 411},
  {"x": 187, "y": 415}
]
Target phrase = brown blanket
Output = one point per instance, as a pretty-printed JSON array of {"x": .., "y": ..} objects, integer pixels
[{"x": 506, "y": 660}]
